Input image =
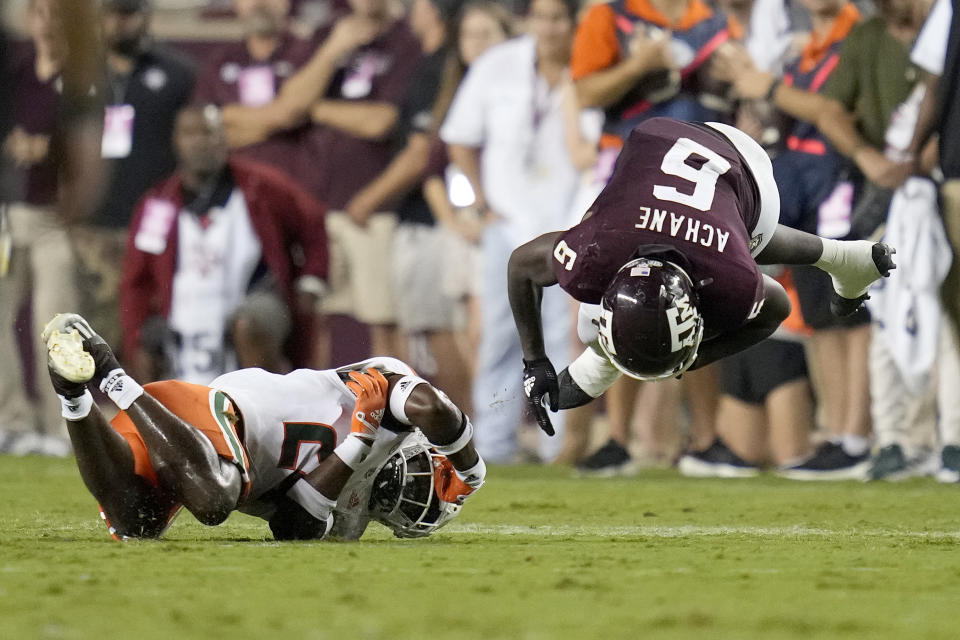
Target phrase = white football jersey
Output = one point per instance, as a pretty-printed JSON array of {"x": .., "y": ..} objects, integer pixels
[{"x": 291, "y": 422}]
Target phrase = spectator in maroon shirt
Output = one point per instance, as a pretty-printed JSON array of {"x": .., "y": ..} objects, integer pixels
[
  {"x": 250, "y": 72},
  {"x": 42, "y": 261},
  {"x": 351, "y": 89}
]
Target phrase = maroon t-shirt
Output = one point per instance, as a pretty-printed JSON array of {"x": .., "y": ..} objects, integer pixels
[
  {"x": 35, "y": 112},
  {"x": 378, "y": 72},
  {"x": 230, "y": 75},
  {"x": 666, "y": 190}
]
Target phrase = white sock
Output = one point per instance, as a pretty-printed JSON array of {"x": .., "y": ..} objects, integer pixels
[
  {"x": 854, "y": 445},
  {"x": 76, "y": 408},
  {"x": 121, "y": 388},
  {"x": 850, "y": 265}
]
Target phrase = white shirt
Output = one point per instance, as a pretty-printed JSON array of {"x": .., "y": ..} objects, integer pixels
[
  {"x": 769, "y": 34},
  {"x": 216, "y": 258},
  {"x": 504, "y": 107},
  {"x": 930, "y": 50}
]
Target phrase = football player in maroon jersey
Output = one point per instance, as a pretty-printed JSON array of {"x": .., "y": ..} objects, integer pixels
[{"x": 665, "y": 264}]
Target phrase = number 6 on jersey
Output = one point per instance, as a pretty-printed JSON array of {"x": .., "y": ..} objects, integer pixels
[{"x": 704, "y": 179}]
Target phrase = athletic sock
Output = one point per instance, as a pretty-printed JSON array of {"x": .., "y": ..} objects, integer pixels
[
  {"x": 850, "y": 265},
  {"x": 121, "y": 388},
  {"x": 855, "y": 446}
]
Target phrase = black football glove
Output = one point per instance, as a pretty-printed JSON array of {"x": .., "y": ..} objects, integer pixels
[{"x": 539, "y": 382}]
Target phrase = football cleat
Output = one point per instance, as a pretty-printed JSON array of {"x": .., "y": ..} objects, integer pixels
[
  {"x": 66, "y": 356},
  {"x": 82, "y": 358},
  {"x": 850, "y": 288}
]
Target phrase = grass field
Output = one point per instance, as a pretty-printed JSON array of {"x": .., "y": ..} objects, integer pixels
[{"x": 536, "y": 554}]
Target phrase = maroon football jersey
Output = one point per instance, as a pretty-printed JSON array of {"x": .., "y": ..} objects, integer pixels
[{"x": 678, "y": 184}]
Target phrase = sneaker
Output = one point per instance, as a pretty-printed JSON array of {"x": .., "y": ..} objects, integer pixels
[
  {"x": 949, "y": 464},
  {"x": 716, "y": 461},
  {"x": 611, "y": 459},
  {"x": 888, "y": 463},
  {"x": 891, "y": 463},
  {"x": 829, "y": 462}
]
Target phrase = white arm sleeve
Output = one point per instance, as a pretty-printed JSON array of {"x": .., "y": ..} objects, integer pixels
[
  {"x": 315, "y": 503},
  {"x": 593, "y": 372}
]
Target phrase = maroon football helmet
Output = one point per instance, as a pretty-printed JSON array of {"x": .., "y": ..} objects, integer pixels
[{"x": 650, "y": 326}]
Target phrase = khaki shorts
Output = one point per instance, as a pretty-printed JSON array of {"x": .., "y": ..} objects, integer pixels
[
  {"x": 420, "y": 259},
  {"x": 360, "y": 264}
]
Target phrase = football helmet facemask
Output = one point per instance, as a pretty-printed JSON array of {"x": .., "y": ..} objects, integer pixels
[
  {"x": 404, "y": 496},
  {"x": 650, "y": 324}
]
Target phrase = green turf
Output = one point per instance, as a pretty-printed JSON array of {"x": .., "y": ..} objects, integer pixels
[{"x": 536, "y": 554}]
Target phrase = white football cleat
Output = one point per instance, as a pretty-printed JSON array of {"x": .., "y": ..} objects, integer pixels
[{"x": 66, "y": 356}]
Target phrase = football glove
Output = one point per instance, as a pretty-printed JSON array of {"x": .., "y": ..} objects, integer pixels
[
  {"x": 540, "y": 384},
  {"x": 447, "y": 484},
  {"x": 370, "y": 388}
]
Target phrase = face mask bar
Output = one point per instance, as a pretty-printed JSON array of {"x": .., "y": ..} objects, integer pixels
[{"x": 416, "y": 510}]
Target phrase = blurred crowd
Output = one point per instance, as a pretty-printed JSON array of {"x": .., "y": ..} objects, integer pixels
[{"x": 283, "y": 184}]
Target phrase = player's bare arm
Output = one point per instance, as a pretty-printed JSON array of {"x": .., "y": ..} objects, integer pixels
[
  {"x": 773, "y": 311},
  {"x": 530, "y": 270},
  {"x": 415, "y": 402}
]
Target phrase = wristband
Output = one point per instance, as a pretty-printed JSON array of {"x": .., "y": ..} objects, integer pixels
[
  {"x": 352, "y": 451},
  {"x": 398, "y": 397},
  {"x": 121, "y": 388},
  {"x": 315, "y": 503},
  {"x": 475, "y": 475},
  {"x": 466, "y": 434},
  {"x": 76, "y": 408}
]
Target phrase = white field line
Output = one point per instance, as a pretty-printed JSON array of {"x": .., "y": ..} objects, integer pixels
[{"x": 687, "y": 531}]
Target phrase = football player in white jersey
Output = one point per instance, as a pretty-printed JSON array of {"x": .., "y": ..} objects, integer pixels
[{"x": 314, "y": 453}]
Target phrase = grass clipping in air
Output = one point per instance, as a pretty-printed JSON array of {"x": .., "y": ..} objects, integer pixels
[{"x": 535, "y": 554}]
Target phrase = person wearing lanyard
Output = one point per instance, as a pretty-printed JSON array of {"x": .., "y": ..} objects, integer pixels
[
  {"x": 505, "y": 124},
  {"x": 144, "y": 86}
]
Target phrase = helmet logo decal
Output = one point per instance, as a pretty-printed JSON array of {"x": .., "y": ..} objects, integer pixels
[
  {"x": 606, "y": 331},
  {"x": 682, "y": 319}
]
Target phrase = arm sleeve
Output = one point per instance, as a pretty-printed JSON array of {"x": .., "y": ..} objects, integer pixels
[{"x": 593, "y": 372}]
